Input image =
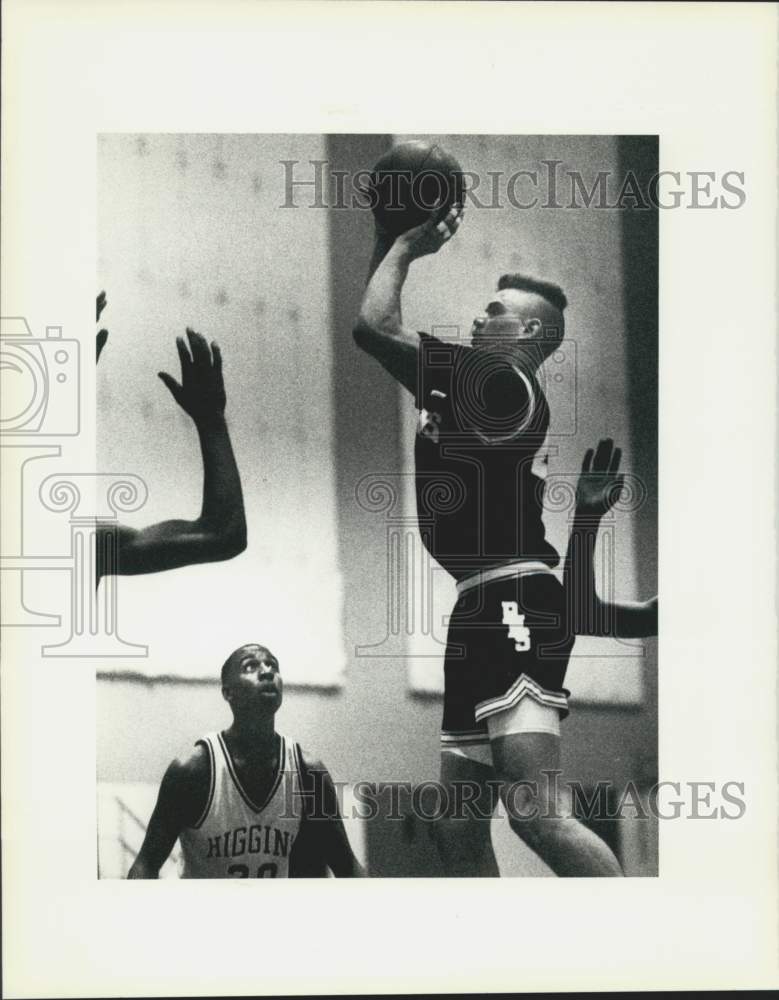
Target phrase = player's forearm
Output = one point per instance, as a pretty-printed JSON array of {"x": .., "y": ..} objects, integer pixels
[
  {"x": 218, "y": 533},
  {"x": 353, "y": 870},
  {"x": 358, "y": 871},
  {"x": 579, "y": 576},
  {"x": 589, "y": 615},
  {"x": 222, "y": 512},
  {"x": 141, "y": 869},
  {"x": 380, "y": 308},
  {"x": 381, "y": 247},
  {"x": 341, "y": 860},
  {"x": 635, "y": 619}
]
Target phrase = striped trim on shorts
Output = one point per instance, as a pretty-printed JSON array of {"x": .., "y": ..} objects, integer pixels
[{"x": 523, "y": 687}]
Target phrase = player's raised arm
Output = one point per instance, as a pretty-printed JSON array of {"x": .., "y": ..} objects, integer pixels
[
  {"x": 379, "y": 328},
  {"x": 220, "y": 530},
  {"x": 597, "y": 490},
  {"x": 322, "y": 841},
  {"x": 181, "y": 799}
]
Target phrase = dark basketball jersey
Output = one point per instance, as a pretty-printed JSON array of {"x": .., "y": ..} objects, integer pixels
[{"x": 480, "y": 458}]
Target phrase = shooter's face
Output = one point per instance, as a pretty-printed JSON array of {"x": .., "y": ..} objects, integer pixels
[
  {"x": 514, "y": 316},
  {"x": 255, "y": 680}
]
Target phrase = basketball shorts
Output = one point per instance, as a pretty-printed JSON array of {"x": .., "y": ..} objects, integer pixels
[{"x": 508, "y": 641}]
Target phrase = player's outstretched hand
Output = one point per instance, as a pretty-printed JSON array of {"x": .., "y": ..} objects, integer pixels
[
  {"x": 599, "y": 484},
  {"x": 102, "y": 335},
  {"x": 201, "y": 393},
  {"x": 431, "y": 235}
]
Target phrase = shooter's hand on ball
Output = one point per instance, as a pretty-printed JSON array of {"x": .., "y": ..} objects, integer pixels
[
  {"x": 420, "y": 241},
  {"x": 431, "y": 235},
  {"x": 599, "y": 484},
  {"x": 201, "y": 393},
  {"x": 102, "y": 335}
]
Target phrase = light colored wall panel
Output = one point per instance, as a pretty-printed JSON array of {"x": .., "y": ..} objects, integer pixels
[{"x": 192, "y": 232}]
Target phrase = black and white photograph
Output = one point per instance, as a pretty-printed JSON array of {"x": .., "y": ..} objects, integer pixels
[
  {"x": 390, "y": 557},
  {"x": 421, "y": 373}
]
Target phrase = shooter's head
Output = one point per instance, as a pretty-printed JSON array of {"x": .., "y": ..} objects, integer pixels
[{"x": 524, "y": 312}]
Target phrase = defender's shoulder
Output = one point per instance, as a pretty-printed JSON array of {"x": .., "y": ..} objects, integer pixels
[
  {"x": 196, "y": 759},
  {"x": 309, "y": 761},
  {"x": 192, "y": 768},
  {"x": 187, "y": 783}
]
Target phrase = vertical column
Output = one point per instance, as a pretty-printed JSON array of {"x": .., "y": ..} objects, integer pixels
[
  {"x": 409, "y": 573},
  {"x": 94, "y": 555},
  {"x": 365, "y": 398},
  {"x": 640, "y": 251},
  {"x": 15, "y": 613},
  {"x": 641, "y": 256}
]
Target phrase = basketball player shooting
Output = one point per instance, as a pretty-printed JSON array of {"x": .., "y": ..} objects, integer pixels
[
  {"x": 247, "y": 802},
  {"x": 483, "y": 419},
  {"x": 220, "y": 530}
]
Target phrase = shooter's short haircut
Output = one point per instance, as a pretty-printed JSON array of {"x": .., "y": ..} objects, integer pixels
[{"x": 553, "y": 294}]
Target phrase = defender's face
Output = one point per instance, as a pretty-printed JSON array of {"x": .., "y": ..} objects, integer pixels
[
  {"x": 512, "y": 316},
  {"x": 255, "y": 679}
]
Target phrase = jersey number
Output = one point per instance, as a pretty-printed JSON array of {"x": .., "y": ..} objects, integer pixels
[{"x": 268, "y": 870}]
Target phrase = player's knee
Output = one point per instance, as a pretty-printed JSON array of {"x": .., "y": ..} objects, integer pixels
[
  {"x": 533, "y": 815},
  {"x": 540, "y": 829},
  {"x": 532, "y": 831}
]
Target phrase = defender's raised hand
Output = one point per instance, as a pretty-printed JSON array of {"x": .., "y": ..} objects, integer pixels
[
  {"x": 201, "y": 393},
  {"x": 597, "y": 491},
  {"x": 102, "y": 335},
  {"x": 599, "y": 484},
  {"x": 220, "y": 530},
  {"x": 431, "y": 235}
]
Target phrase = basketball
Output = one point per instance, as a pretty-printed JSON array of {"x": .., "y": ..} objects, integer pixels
[{"x": 409, "y": 180}]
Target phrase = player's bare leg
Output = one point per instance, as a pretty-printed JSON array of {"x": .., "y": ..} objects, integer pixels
[
  {"x": 560, "y": 840},
  {"x": 463, "y": 837}
]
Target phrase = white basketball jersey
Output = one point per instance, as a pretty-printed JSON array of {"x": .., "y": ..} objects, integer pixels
[{"x": 238, "y": 838}]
